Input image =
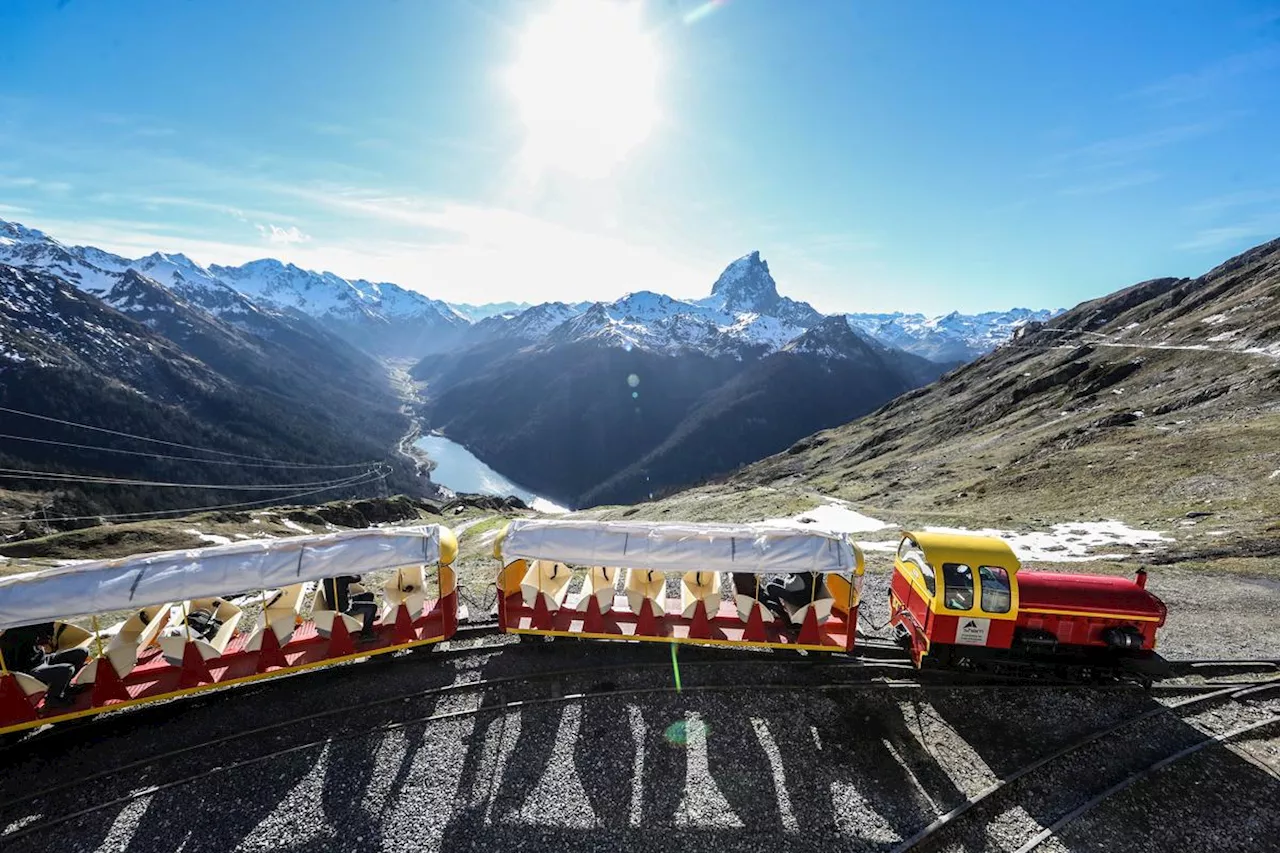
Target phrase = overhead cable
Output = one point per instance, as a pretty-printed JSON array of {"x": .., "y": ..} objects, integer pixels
[
  {"x": 101, "y": 449},
  {"x": 359, "y": 480},
  {"x": 138, "y": 437},
  {"x": 57, "y": 477}
]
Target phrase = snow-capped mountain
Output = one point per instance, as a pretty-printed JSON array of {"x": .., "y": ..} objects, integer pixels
[
  {"x": 380, "y": 317},
  {"x": 747, "y": 287},
  {"x": 744, "y": 315},
  {"x": 658, "y": 323},
  {"x": 951, "y": 337},
  {"x": 35, "y": 332},
  {"x": 476, "y": 313},
  {"x": 530, "y": 324}
]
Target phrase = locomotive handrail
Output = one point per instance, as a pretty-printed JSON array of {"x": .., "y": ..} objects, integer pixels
[
  {"x": 137, "y": 581},
  {"x": 742, "y": 548}
]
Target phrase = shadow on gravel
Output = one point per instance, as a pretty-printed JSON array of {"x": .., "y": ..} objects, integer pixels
[
  {"x": 1034, "y": 723},
  {"x": 729, "y": 771},
  {"x": 736, "y": 770},
  {"x": 221, "y": 810},
  {"x": 1214, "y": 800}
]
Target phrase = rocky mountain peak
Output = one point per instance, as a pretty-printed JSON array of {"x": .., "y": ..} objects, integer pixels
[
  {"x": 833, "y": 337},
  {"x": 746, "y": 285}
]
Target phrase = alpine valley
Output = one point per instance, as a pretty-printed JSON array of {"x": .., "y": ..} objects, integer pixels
[
  {"x": 587, "y": 403},
  {"x": 620, "y": 401}
]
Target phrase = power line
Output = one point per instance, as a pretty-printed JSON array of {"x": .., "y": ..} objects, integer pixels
[
  {"x": 54, "y": 476},
  {"x": 99, "y": 448},
  {"x": 359, "y": 480},
  {"x": 138, "y": 437}
]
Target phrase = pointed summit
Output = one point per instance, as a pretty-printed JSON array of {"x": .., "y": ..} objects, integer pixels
[{"x": 746, "y": 285}]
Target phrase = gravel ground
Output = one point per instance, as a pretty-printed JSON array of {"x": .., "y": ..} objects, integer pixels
[
  {"x": 742, "y": 770},
  {"x": 745, "y": 769},
  {"x": 1009, "y": 819},
  {"x": 1232, "y": 806}
]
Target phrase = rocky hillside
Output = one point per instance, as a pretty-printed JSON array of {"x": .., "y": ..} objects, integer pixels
[
  {"x": 146, "y": 362},
  {"x": 1158, "y": 402}
]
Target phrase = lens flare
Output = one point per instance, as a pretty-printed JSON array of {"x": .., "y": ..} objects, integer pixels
[{"x": 700, "y": 12}]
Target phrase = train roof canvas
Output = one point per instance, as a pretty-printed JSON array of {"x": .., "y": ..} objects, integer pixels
[
  {"x": 679, "y": 547},
  {"x": 218, "y": 571}
]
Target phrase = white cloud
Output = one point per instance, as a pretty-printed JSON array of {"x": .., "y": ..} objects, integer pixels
[
  {"x": 276, "y": 235},
  {"x": 1113, "y": 184},
  {"x": 1257, "y": 230},
  {"x": 1207, "y": 80},
  {"x": 468, "y": 252},
  {"x": 28, "y": 183},
  {"x": 1233, "y": 200}
]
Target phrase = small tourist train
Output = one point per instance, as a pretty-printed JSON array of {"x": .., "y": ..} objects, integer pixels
[{"x": 99, "y": 636}]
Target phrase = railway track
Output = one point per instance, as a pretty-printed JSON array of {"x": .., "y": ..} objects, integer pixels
[
  {"x": 30, "y": 822},
  {"x": 878, "y": 670},
  {"x": 1015, "y": 806}
]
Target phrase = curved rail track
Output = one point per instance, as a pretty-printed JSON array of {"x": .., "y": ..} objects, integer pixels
[
  {"x": 881, "y": 667},
  {"x": 992, "y": 800},
  {"x": 478, "y": 686}
]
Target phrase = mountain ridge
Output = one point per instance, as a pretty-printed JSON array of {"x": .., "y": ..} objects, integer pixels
[
  {"x": 649, "y": 392},
  {"x": 389, "y": 320},
  {"x": 380, "y": 317}
]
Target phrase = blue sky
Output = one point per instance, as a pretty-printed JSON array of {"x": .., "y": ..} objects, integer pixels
[{"x": 918, "y": 156}]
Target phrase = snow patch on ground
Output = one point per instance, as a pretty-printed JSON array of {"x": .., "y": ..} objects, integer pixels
[
  {"x": 1070, "y": 542},
  {"x": 832, "y": 517},
  {"x": 545, "y": 506},
  {"x": 211, "y": 538},
  {"x": 293, "y": 525}
]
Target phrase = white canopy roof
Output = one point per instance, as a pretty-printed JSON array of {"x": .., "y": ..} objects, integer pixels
[
  {"x": 222, "y": 570},
  {"x": 680, "y": 547}
]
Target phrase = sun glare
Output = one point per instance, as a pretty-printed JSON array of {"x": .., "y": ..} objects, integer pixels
[{"x": 585, "y": 82}]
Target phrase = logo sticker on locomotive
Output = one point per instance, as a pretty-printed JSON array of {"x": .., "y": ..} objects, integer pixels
[{"x": 972, "y": 632}]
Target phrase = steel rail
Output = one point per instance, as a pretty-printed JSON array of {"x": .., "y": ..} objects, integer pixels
[
  {"x": 930, "y": 832},
  {"x": 1138, "y": 776}
]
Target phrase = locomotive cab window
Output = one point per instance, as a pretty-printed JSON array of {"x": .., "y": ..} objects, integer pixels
[
  {"x": 957, "y": 580},
  {"x": 910, "y": 552},
  {"x": 996, "y": 597}
]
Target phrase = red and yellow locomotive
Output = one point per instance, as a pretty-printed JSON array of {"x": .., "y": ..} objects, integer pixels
[{"x": 962, "y": 600}]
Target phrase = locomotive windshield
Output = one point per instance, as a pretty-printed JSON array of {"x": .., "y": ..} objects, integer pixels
[
  {"x": 910, "y": 552},
  {"x": 995, "y": 589}
]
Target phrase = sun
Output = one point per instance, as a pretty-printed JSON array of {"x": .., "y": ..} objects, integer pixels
[{"x": 585, "y": 82}]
